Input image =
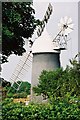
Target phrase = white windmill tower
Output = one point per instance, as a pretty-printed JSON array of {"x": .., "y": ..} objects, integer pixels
[{"x": 45, "y": 50}]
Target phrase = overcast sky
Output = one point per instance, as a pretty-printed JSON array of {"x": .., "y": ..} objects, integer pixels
[{"x": 61, "y": 9}]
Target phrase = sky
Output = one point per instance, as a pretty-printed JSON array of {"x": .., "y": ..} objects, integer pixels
[
  {"x": 55, "y": 0},
  {"x": 61, "y": 9}
]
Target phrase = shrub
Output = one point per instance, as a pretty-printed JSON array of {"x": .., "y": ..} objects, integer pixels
[{"x": 56, "y": 110}]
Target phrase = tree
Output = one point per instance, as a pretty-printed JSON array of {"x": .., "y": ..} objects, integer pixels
[
  {"x": 18, "y": 22},
  {"x": 5, "y": 83},
  {"x": 60, "y": 83}
]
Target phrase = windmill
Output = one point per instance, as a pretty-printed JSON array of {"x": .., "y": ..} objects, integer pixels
[{"x": 44, "y": 51}]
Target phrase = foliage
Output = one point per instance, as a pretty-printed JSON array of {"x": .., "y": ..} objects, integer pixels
[
  {"x": 25, "y": 86},
  {"x": 18, "y": 22},
  {"x": 5, "y": 83},
  {"x": 57, "y": 110},
  {"x": 60, "y": 82},
  {"x": 20, "y": 95},
  {"x": 64, "y": 110},
  {"x": 63, "y": 102},
  {"x": 23, "y": 91}
]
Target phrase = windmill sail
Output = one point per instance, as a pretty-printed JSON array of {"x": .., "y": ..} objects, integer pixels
[
  {"x": 45, "y": 20},
  {"x": 22, "y": 67},
  {"x": 66, "y": 27}
]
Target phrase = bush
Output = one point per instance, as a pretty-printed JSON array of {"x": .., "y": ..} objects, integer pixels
[
  {"x": 58, "y": 82},
  {"x": 20, "y": 95},
  {"x": 56, "y": 110},
  {"x": 65, "y": 109}
]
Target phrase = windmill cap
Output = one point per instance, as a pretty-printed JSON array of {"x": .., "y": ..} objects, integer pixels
[{"x": 44, "y": 44}]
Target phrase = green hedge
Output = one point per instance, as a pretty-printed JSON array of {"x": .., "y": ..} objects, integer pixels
[{"x": 60, "y": 110}]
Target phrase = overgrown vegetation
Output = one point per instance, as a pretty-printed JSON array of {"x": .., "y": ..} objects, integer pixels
[
  {"x": 63, "y": 92},
  {"x": 58, "y": 110},
  {"x": 23, "y": 91},
  {"x": 11, "y": 91}
]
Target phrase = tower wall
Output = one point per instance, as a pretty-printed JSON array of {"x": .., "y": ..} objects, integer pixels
[{"x": 42, "y": 61}]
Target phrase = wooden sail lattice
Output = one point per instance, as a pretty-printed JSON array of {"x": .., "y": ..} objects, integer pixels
[{"x": 22, "y": 67}]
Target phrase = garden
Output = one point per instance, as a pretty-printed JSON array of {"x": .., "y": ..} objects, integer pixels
[{"x": 62, "y": 90}]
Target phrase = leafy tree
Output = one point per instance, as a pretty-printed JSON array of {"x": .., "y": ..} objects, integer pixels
[
  {"x": 5, "y": 83},
  {"x": 60, "y": 83},
  {"x": 18, "y": 22}
]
